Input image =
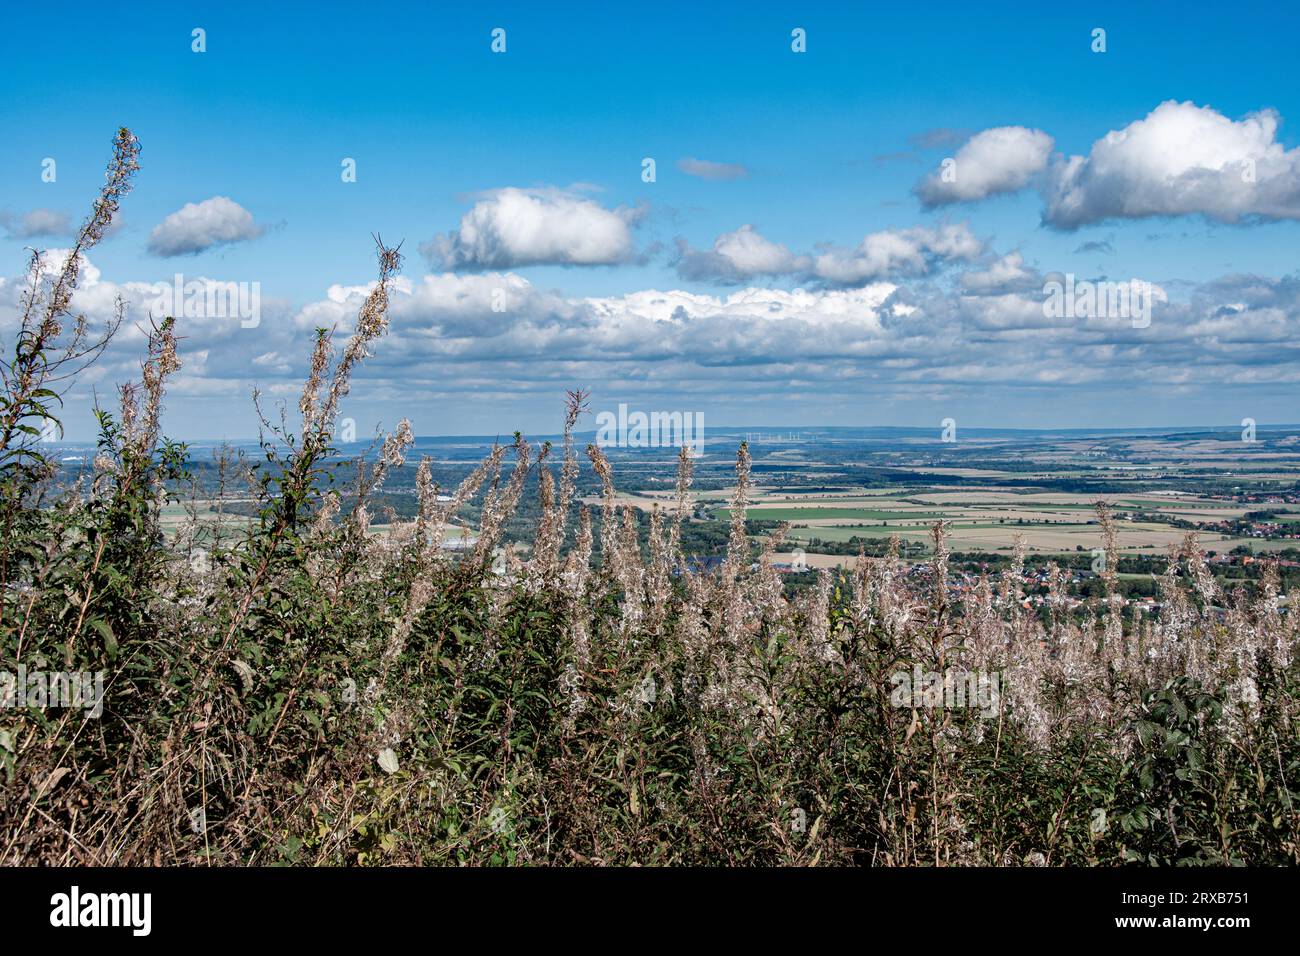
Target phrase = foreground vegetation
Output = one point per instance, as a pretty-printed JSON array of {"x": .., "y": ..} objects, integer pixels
[{"x": 307, "y": 692}]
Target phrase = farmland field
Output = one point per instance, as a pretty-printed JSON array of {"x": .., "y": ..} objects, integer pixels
[{"x": 877, "y": 483}]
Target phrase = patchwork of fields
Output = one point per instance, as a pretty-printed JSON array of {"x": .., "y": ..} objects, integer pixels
[
  {"x": 987, "y": 520},
  {"x": 988, "y": 491}
]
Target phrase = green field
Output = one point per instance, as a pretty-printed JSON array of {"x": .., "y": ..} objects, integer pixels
[{"x": 834, "y": 514}]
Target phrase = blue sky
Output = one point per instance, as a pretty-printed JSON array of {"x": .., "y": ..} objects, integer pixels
[{"x": 828, "y": 146}]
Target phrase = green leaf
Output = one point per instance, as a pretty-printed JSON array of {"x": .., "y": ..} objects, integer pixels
[{"x": 105, "y": 630}]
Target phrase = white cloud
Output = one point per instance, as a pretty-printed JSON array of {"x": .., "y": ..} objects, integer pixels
[
  {"x": 1007, "y": 274},
  {"x": 745, "y": 254},
  {"x": 37, "y": 222},
  {"x": 906, "y": 252},
  {"x": 53, "y": 261},
  {"x": 999, "y": 160},
  {"x": 196, "y": 227},
  {"x": 273, "y": 361},
  {"x": 216, "y": 349},
  {"x": 1181, "y": 159},
  {"x": 519, "y": 227},
  {"x": 738, "y": 256},
  {"x": 704, "y": 169}
]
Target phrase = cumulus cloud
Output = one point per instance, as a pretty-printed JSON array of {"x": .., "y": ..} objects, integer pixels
[
  {"x": 1005, "y": 275},
  {"x": 519, "y": 227},
  {"x": 999, "y": 160},
  {"x": 745, "y": 254},
  {"x": 704, "y": 169},
  {"x": 1181, "y": 159},
  {"x": 36, "y": 223},
  {"x": 444, "y": 327},
  {"x": 53, "y": 261},
  {"x": 216, "y": 348},
  {"x": 897, "y": 252},
  {"x": 197, "y": 227},
  {"x": 449, "y": 318},
  {"x": 737, "y": 257}
]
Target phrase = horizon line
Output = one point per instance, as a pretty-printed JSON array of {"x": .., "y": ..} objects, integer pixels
[{"x": 778, "y": 430}]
